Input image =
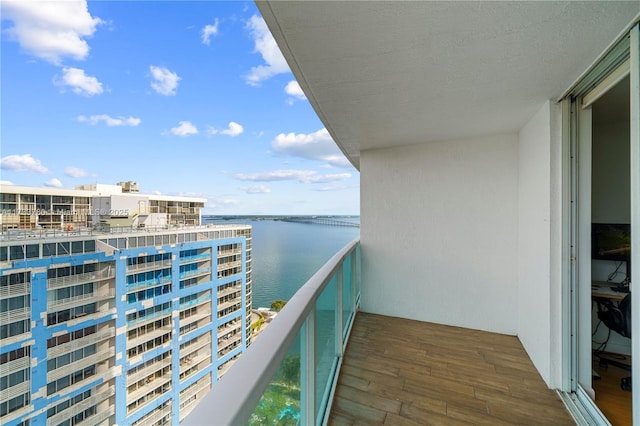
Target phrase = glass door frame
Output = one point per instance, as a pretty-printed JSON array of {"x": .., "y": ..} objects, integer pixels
[{"x": 577, "y": 221}]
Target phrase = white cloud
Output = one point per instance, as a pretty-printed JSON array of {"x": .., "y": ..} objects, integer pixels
[
  {"x": 233, "y": 130},
  {"x": 268, "y": 49},
  {"x": 258, "y": 189},
  {"x": 208, "y": 31},
  {"x": 330, "y": 178},
  {"x": 53, "y": 183},
  {"x": 51, "y": 30},
  {"x": 22, "y": 163},
  {"x": 185, "y": 128},
  {"x": 302, "y": 176},
  {"x": 221, "y": 203},
  {"x": 164, "y": 81},
  {"x": 334, "y": 187},
  {"x": 6, "y": 182},
  {"x": 75, "y": 172},
  {"x": 110, "y": 121},
  {"x": 312, "y": 146},
  {"x": 293, "y": 89},
  {"x": 79, "y": 82}
]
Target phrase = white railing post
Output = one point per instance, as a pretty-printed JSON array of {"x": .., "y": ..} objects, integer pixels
[
  {"x": 308, "y": 370},
  {"x": 339, "y": 330}
]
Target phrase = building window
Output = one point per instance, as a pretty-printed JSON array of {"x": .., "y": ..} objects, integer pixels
[
  {"x": 14, "y": 403},
  {"x": 14, "y": 329},
  {"x": 69, "y": 314},
  {"x": 71, "y": 379}
]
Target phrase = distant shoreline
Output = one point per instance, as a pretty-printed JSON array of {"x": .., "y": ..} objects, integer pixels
[{"x": 277, "y": 217}]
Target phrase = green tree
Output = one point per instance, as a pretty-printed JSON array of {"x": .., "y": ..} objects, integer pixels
[
  {"x": 277, "y": 305},
  {"x": 290, "y": 369}
]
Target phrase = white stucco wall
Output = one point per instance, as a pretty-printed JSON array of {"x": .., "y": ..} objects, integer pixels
[
  {"x": 439, "y": 232},
  {"x": 534, "y": 239}
]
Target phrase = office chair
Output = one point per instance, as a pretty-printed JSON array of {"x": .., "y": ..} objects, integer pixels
[{"x": 618, "y": 319}]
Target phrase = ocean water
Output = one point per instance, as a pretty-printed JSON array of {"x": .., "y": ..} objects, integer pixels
[{"x": 285, "y": 254}]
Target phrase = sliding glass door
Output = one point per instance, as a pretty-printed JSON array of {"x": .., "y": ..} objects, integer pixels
[{"x": 604, "y": 116}]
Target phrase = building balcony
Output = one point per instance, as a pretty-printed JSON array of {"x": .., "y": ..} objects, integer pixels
[
  {"x": 15, "y": 390},
  {"x": 187, "y": 349},
  {"x": 195, "y": 258},
  {"x": 14, "y": 290},
  {"x": 148, "y": 336},
  {"x": 98, "y": 357},
  {"x": 141, "y": 285},
  {"x": 229, "y": 290},
  {"x": 140, "y": 321},
  {"x": 327, "y": 362},
  {"x": 83, "y": 405},
  {"x": 148, "y": 370},
  {"x": 230, "y": 252},
  {"x": 201, "y": 314},
  {"x": 89, "y": 277},
  {"x": 149, "y": 266},
  {"x": 155, "y": 416},
  {"x": 15, "y": 315},
  {"x": 195, "y": 302},
  {"x": 195, "y": 273},
  {"x": 149, "y": 390},
  {"x": 15, "y": 365},
  {"x": 101, "y": 416},
  {"x": 83, "y": 299},
  {"x": 90, "y": 339},
  {"x": 192, "y": 395},
  {"x": 229, "y": 265},
  {"x": 233, "y": 302}
]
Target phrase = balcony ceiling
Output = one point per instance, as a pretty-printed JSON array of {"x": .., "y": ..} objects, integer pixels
[{"x": 383, "y": 74}]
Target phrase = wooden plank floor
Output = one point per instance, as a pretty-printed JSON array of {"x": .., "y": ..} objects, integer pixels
[
  {"x": 402, "y": 372},
  {"x": 614, "y": 402}
]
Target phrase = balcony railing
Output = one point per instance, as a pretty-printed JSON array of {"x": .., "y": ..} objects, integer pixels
[
  {"x": 148, "y": 266},
  {"x": 195, "y": 258},
  {"x": 312, "y": 329},
  {"x": 77, "y": 279},
  {"x": 153, "y": 282},
  {"x": 83, "y": 299},
  {"x": 90, "y": 339},
  {"x": 194, "y": 272},
  {"x": 81, "y": 406},
  {"x": 15, "y": 290}
]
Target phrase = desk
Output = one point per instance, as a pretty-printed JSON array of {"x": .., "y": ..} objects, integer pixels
[{"x": 604, "y": 290}]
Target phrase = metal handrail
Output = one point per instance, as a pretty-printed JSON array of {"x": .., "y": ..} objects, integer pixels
[
  {"x": 234, "y": 398},
  {"x": 49, "y": 233}
]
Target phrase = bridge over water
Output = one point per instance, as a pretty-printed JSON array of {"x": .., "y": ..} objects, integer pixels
[{"x": 320, "y": 221}]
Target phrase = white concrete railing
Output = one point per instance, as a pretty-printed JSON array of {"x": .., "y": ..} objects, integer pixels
[{"x": 333, "y": 290}]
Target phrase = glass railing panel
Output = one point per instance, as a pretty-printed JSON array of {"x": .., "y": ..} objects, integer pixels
[
  {"x": 347, "y": 294},
  {"x": 326, "y": 356},
  {"x": 288, "y": 374},
  {"x": 358, "y": 271},
  {"x": 280, "y": 402}
]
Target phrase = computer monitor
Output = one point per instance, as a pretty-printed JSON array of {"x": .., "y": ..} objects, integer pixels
[{"x": 612, "y": 241}]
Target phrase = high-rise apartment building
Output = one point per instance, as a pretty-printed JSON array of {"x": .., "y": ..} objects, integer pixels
[{"x": 116, "y": 307}]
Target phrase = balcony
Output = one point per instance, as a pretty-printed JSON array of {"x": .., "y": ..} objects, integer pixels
[
  {"x": 149, "y": 266},
  {"x": 90, "y": 339},
  {"x": 78, "y": 365},
  {"x": 195, "y": 273},
  {"x": 83, "y": 299},
  {"x": 154, "y": 282},
  {"x": 333, "y": 365},
  {"x": 88, "y": 277},
  {"x": 195, "y": 258},
  {"x": 86, "y": 403}
]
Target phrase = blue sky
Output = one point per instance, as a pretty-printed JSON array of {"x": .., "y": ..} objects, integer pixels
[{"x": 185, "y": 98}]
